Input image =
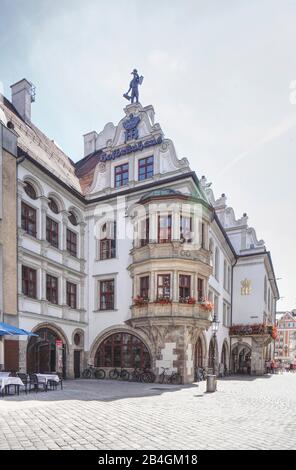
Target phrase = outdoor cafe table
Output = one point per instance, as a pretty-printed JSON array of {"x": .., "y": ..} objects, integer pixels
[
  {"x": 5, "y": 381},
  {"x": 46, "y": 377},
  {"x": 4, "y": 374}
]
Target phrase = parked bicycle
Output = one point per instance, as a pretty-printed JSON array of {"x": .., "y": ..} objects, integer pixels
[
  {"x": 92, "y": 372},
  {"x": 122, "y": 374},
  {"x": 200, "y": 374},
  {"x": 173, "y": 378},
  {"x": 142, "y": 375}
]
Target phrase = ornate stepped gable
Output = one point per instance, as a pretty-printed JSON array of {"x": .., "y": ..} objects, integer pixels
[{"x": 135, "y": 133}]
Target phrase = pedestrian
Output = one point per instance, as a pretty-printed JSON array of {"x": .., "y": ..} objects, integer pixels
[
  {"x": 267, "y": 365},
  {"x": 272, "y": 366}
]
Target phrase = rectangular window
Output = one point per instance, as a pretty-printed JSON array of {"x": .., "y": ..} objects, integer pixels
[
  {"x": 164, "y": 228},
  {"x": 224, "y": 314},
  {"x": 144, "y": 287},
  {"x": 71, "y": 291},
  {"x": 52, "y": 232},
  {"x": 121, "y": 175},
  {"x": 107, "y": 295},
  {"x": 29, "y": 219},
  {"x": 185, "y": 228},
  {"x": 144, "y": 227},
  {"x": 184, "y": 287},
  {"x": 52, "y": 289},
  {"x": 145, "y": 168},
  {"x": 29, "y": 286},
  {"x": 163, "y": 286},
  {"x": 72, "y": 242},
  {"x": 108, "y": 241},
  {"x": 216, "y": 303},
  {"x": 200, "y": 289},
  {"x": 203, "y": 235}
]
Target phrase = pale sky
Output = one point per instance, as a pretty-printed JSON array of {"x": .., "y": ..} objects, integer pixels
[{"x": 218, "y": 74}]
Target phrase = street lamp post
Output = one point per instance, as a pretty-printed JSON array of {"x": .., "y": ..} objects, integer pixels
[
  {"x": 212, "y": 379},
  {"x": 215, "y": 326}
]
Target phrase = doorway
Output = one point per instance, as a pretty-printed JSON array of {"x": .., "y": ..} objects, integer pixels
[{"x": 77, "y": 356}]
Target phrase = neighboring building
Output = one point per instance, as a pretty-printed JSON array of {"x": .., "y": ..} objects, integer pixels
[
  {"x": 254, "y": 292},
  {"x": 285, "y": 345},
  {"x": 8, "y": 241},
  {"x": 119, "y": 254}
]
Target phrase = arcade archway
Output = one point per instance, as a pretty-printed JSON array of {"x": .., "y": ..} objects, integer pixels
[
  {"x": 46, "y": 352},
  {"x": 122, "y": 349},
  {"x": 241, "y": 359}
]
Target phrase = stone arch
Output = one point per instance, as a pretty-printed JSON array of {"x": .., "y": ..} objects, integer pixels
[
  {"x": 43, "y": 352},
  {"x": 57, "y": 198},
  {"x": 35, "y": 183},
  {"x": 225, "y": 356},
  {"x": 200, "y": 360},
  {"x": 240, "y": 356},
  {"x": 119, "y": 329}
]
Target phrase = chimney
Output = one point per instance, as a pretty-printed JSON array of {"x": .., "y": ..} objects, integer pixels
[
  {"x": 90, "y": 142},
  {"x": 22, "y": 95}
]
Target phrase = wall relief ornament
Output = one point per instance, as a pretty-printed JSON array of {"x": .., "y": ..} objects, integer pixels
[{"x": 246, "y": 288}]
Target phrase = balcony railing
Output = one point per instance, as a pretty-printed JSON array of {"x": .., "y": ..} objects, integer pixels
[
  {"x": 174, "y": 249},
  {"x": 171, "y": 309}
]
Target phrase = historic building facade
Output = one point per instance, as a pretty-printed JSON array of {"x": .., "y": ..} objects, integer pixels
[
  {"x": 8, "y": 240},
  {"x": 125, "y": 256},
  {"x": 285, "y": 345}
]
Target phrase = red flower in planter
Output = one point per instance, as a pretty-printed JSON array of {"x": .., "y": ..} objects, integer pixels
[
  {"x": 206, "y": 305},
  {"x": 139, "y": 301}
]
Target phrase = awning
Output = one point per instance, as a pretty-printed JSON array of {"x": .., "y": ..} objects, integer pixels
[{"x": 6, "y": 329}]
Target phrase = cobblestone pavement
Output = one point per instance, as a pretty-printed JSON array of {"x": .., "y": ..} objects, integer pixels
[{"x": 243, "y": 414}]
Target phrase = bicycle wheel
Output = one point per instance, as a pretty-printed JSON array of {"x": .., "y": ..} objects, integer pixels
[
  {"x": 176, "y": 379},
  {"x": 148, "y": 377},
  {"x": 125, "y": 375},
  {"x": 113, "y": 374},
  {"x": 100, "y": 374},
  {"x": 86, "y": 374},
  {"x": 162, "y": 378}
]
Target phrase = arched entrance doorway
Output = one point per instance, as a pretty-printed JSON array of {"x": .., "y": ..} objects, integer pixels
[
  {"x": 241, "y": 359},
  {"x": 123, "y": 350},
  {"x": 224, "y": 358},
  {"x": 46, "y": 352}
]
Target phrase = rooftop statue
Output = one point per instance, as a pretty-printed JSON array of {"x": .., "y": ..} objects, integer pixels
[{"x": 134, "y": 87}]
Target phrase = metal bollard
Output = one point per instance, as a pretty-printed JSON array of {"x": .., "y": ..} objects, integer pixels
[{"x": 211, "y": 383}]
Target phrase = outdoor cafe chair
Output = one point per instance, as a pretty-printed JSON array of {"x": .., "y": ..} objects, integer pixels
[
  {"x": 35, "y": 383},
  {"x": 25, "y": 379}
]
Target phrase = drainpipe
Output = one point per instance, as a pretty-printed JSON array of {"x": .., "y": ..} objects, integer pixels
[{"x": 231, "y": 311}]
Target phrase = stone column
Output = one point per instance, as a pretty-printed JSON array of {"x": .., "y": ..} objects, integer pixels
[{"x": 41, "y": 230}]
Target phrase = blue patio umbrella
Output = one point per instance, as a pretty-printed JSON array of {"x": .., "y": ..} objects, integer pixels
[{"x": 10, "y": 330}]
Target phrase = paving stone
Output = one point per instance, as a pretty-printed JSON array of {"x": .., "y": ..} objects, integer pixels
[{"x": 245, "y": 413}]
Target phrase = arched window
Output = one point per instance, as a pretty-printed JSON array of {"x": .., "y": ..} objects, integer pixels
[
  {"x": 122, "y": 350},
  {"x": 30, "y": 191},
  {"x": 53, "y": 205},
  {"x": 217, "y": 263},
  {"x": 73, "y": 218}
]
